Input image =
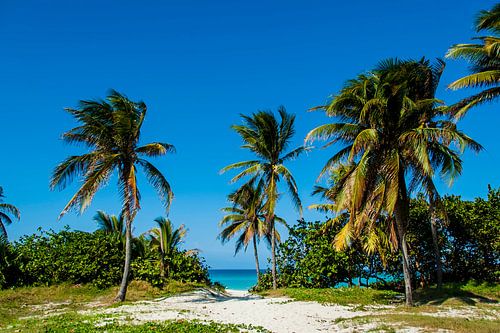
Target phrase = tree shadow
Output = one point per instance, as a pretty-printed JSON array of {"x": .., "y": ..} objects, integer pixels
[
  {"x": 206, "y": 295},
  {"x": 435, "y": 296}
]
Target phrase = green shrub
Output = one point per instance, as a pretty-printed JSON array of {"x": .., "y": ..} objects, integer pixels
[
  {"x": 68, "y": 256},
  {"x": 307, "y": 258},
  {"x": 78, "y": 257},
  {"x": 468, "y": 240},
  {"x": 147, "y": 269},
  {"x": 189, "y": 268}
]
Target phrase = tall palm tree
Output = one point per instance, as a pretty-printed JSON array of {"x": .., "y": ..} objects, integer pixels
[
  {"x": 484, "y": 58},
  {"x": 166, "y": 240},
  {"x": 247, "y": 216},
  {"x": 394, "y": 142},
  {"x": 268, "y": 139},
  {"x": 110, "y": 129},
  {"x": 6, "y": 211}
]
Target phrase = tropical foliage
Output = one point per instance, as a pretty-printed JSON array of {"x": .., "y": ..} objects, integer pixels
[
  {"x": 111, "y": 129},
  {"x": 165, "y": 240},
  {"x": 268, "y": 139},
  {"x": 393, "y": 130},
  {"x": 484, "y": 58},
  {"x": 6, "y": 211},
  {"x": 470, "y": 250},
  {"x": 110, "y": 224},
  {"x": 96, "y": 258},
  {"x": 48, "y": 258},
  {"x": 247, "y": 217}
]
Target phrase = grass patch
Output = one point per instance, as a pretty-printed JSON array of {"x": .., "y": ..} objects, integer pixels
[
  {"x": 141, "y": 290},
  {"x": 342, "y": 296},
  {"x": 33, "y": 301},
  {"x": 74, "y": 323},
  {"x": 452, "y": 294},
  {"x": 455, "y": 324},
  {"x": 457, "y": 294}
]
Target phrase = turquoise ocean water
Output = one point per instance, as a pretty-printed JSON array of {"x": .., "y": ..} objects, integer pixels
[
  {"x": 244, "y": 279},
  {"x": 238, "y": 279}
]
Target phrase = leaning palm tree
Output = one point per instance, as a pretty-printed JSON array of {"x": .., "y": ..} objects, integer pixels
[
  {"x": 110, "y": 129},
  {"x": 484, "y": 58},
  {"x": 247, "y": 217},
  {"x": 268, "y": 139},
  {"x": 166, "y": 241},
  {"x": 6, "y": 211},
  {"x": 392, "y": 134}
]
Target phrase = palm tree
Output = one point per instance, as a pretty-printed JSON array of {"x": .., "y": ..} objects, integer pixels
[
  {"x": 268, "y": 139},
  {"x": 6, "y": 210},
  {"x": 484, "y": 58},
  {"x": 247, "y": 216},
  {"x": 392, "y": 134},
  {"x": 166, "y": 241},
  {"x": 110, "y": 224},
  {"x": 110, "y": 129},
  {"x": 115, "y": 225}
]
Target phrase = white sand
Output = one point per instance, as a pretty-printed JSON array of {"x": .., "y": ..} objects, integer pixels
[
  {"x": 239, "y": 307},
  {"x": 275, "y": 314}
]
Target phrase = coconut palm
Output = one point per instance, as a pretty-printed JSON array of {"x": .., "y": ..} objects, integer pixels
[
  {"x": 166, "y": 241},
  {"x": 110, "y": 224},
  {"x": 110, "y": 129},
  {"x": 484, "y": 58},
  {"x": 6, "y": 211},
  {"x": 247, "y": 217},
  {"x": 268, "y": 139},
  {"x": 395, "y": 140}
]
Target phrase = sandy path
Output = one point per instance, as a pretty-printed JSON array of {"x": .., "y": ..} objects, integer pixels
[{"x": 278, "y": 315}]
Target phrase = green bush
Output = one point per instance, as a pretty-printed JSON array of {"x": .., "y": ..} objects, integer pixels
[
  {"x": 468, "y": 239},
  {"x": 78, "y": 257},
  {"x": 189, "y": 268},
  {"x": 472, "y": 247},
  {"x": 8, "y": 269},
  {"x": 307, "y": 258},
  {"x": 185, "y": 268},
  {"x": 147, "y": 269},
  {"x": 68, "y": 256}
]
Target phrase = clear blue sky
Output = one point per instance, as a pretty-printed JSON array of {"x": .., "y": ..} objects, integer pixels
[{"x": 198, "y": 65}]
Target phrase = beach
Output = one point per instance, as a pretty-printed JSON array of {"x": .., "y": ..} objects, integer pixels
[{"x": 274, "y": 314}]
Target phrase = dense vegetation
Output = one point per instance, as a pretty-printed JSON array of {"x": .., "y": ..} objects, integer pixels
[
  {"x": 96, "y": 258},
  {"x": 468, "y": 238}
]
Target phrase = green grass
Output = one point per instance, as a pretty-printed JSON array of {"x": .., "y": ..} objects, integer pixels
[
  {"x": 74, "y": 323},
  {"x": 342, "y": 296},
  {"x": 32, "y": 301},
  {"x": 392, "y": 322},
  {"x": 451, "y": 294}
]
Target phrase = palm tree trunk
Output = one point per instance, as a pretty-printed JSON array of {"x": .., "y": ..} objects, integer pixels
[
  {"x": 401, "y": 213},
  {"x": 167, "y": 269},
  {"x": 273, "y": 252},
  {"x": 401, "y": 229},
  {"x": 162, "y": 266},
  {"x": 128, "y": 258},
  {"x": 129, "y": 217},
  {"x": 437, "y": 253},
  {"x": 257, "y": 267}
]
